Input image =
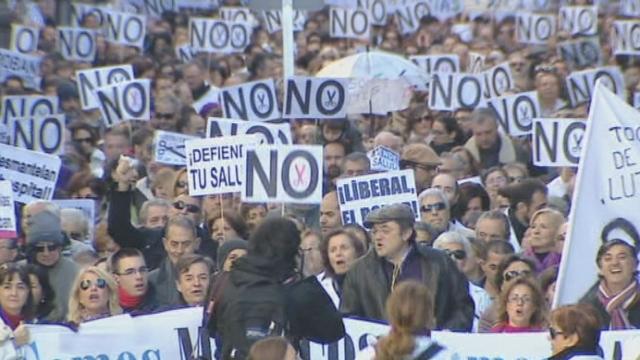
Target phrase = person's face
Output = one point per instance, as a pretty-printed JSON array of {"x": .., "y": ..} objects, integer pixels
[
  {"x": 84, "y": 141},
  {"x": 520, "y": 305},
  {"x": 490, "y": 265},
  {"x": 157, "y": 217},
  {"x": 354, "y": 168},
  {"x": 193, "y": 77},
  {"x": 178, "y": 242},
  {"x": 550, "y": 293},
  {"x": 47, "y": 253},
  {"x": 447, "y": 184},
  {"x": 463, "y": 118},
  {"x": 548, "y": 87},
  {"x": 422, "y": 173},
  {"x": 222, "y": 231},
  {"x": 341, "y": 253},
  {"x": 457, "y": 253},
  {"x": 333, "y": 156},
  {"x": 133, "y": 275},
  {"x": 164, "y": 86},
  {"x": 331, "y": 133},
  {"x": 74, "y": 229},
  {"x": 433, "y": 211},
  {"x": 514, "y": 175},
  {"x": 196, "y": 126},
  {"x": 543, "y": 234},
  {"x": 13, "y": 295},
  {"x": 310, "y": 248},
  {"x": 144, "y": 152},
  {"x": 490, "y": 229},
  {"x": 485, "y": 133},
  {"x": 193, "y": 283},
  {"x": 211, "y": 203},
  {"x": 232, "y": 257},
  {"x": 389, "y": 240},
  {"x": 164, "y": 117},
  {"x": 452, "y": 166},
  {"x": 440, "y": 134},
  {"x": 255, "y": 216},
  {"x": 560, "y": 340},
  {"x": 495, "y": 181},
  {"x": 7, "y": 252},
  {"x": 538, "y": 201},
  {"x": 114, "y": 146},
  {"x": 329, "y": 214},
  {"x": 187, "y": 206},
  {"x": 36, "y": 288},
  {"x": 617, "y": 266},
  {"x": 94, "y": 294},
  {"x": 423, "y": 125},
  {"x": 515, "y": 270}
]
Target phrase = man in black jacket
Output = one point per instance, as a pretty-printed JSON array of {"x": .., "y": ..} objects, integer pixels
[{"x": 396, "y": 257}]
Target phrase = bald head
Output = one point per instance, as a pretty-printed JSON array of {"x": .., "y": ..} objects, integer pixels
[{"x": 390, "y": 140}]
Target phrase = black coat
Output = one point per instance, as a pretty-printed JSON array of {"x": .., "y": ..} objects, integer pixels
[{"x": 591, "y": 297}]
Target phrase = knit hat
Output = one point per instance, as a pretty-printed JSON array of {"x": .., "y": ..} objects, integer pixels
[
  {"x": 227, "y": 247},
  {"x": 45, "y": 226}
]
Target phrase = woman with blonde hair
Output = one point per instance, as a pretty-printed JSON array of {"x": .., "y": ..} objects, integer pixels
[
  {"x": 94, "y": 295},
  {"x": 541, "y": 243}
]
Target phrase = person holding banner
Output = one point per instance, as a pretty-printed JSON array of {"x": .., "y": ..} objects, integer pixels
[
  {"x": 574, "y": 333},
  {"x": 16, "y": 304},
  {"x": 94, "y": 295}
]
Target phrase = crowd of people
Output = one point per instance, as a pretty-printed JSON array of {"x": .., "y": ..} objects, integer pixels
[{"x": 483, "y": 256}]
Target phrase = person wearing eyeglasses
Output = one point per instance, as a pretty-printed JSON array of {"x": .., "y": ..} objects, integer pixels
[
  {"x": 131, "y": 273},
  {"x": 16, "y": 305},
  {"x": 164, "y": 116},
  {"x": 423, "y": 161},
  {"x": 521, "y": 308},
  {"x": 94, "y": 295},
  {"x": 435, "y": 210},
  {"x": 85, "y": 139},
  {"x": 574, "y": 333}
]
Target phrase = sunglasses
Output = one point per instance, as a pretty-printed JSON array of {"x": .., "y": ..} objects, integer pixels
[
  {"x": 433, "y": 207},
  {"x": 510, "y": 275},
  {"x": 42, "y": 248},
  {"x": 181, "y": 205},
  {"x": 553, "y": 332},
  {"x": 86, "y": 284},
  {"x": 164, "y": 115},
  {"x": 457, "y": 254}
]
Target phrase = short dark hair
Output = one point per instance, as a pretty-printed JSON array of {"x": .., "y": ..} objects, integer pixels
[
  {"x": 6, "y": 274},
  {"x": 236, "y": 222},
  {"x": 277, "y": 240},
  {"x": 522, "y": 192},
  {"x": 466, "y": 192},
  {"x": 580, "y": 319},
  {"x": 324, "y": 247},
  {"x": 123, "y": 253},
  {"x": 504, "y": 264},
  {"x": 46, "y": 305},
  {"x": 499, "y": 247},
  {"x": 184, "y": 263}
]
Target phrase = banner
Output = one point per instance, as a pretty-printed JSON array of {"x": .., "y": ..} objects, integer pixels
[
  {"x": 26, "y": 67},
  {"x": 450, "y": 92},
  {"x": 25, "y": 106},
  {"x": 8, "y": 227},
  {"x": 273, "y": 19},
  {"x": 79, "y": 11},
  {"x": 125, "y": 28},
  {"x": 266, "y": 133},
  {"x": 33, "y": 174},
  {"x": 535, "y": 29},
  {"x": 90, "y": 79},
  {"x": 580, "y": 84},
  {"x": 446, "y": 63},
  {"x": 315, "y": 98},
  {"x": 349, "y": 23},
  {"x": 557, "y": 142},
  {"x": 169, "y": 147},
  {"x": 24, "y": 39},
  {"x": 217, "y": 165},
  {"x": 40, "y": 133},
  {"x": 606, "y": 193},
  {"x": 254, "y": 101},
  {"x": 515, "y": 112},
  {"x": 579, "y": 20},
  {"x": 284, "y": 174},
  {"x": 625, "y": 37},
  {"x": 581, "y": 53},
  {"x": 77, "y": 44},
  {"x": 211, "y": 35},
  {"x": 361, "y": 194},
  {"x": 130, "y": 100},
  {"x": 378, "y": 96}
]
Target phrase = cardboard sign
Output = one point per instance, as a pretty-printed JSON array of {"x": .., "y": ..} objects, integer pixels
[
  {"x": 516, "y": 112},
  {"x": 169, "y": 147},
  {"x": 378, "y": 96},
  {"x": 408, "y": 16},
  {"x": 24, "y": 106},
  {"x": 284, "y": 174},
  {"x": 24, "y": 39},
  {"x": 315, "y": 98},
  {"x": 625, "y": 37},
  {"x": 125, "y": 28},
  {"x": 558, "y": 142},
  {"x": 377, "y": 10},
  {"x": 255, "y": 101},
  {"x": 212, "y": 35},
  {"x": 185, "y": 53},
  {"x": 266, "y": 133},
  {"x": 26, "y": 67},
  {"x": 274, "y": 22},
  {"x": 90, "y": 79},
  {"x": 580, "y": 84},
  {"x": 128, "y": 100},
  {"x": 448, "y": 63},
  {"x": 630, "y": 8},
  {"x": 349, "y": 23},
  {"x": 579, "y": 20},
  {"x": 33, "y": 175},
  {"x": 581, "y": 53},
  {"x": 217, "y": 165},
  {"x": 8, "y": 227},
  {"x": 361, "y": 194},
  {"x": 77, "y": 44},
  {"x": 384, "y": 159},
  {"x": 449, "y": 92},
  {"x": 497, "y": 80},
  {"x": 79, "y": 11},
  {"x": 41, "y": 133},
  {"x": 535, "y": 29}
]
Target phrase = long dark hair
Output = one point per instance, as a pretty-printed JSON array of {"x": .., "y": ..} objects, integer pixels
[
  {"x": 46, "y": 304},
  {"x": 6, "y": 274},
  {"x": 276, "y": 241}
]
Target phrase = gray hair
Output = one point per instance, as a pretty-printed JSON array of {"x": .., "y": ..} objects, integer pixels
[
  {"x": 46, "y": 206},
  {"x": 498, "y": 215},
  {"x": 144, "y": 210},
  {"x": 453, "y": 237},
  {"x": 435, "y": 192},
  {"x": 482, "y": 114},
  {"x": 75, "y": 216}
]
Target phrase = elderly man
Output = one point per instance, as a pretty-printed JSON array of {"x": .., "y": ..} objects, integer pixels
[
  {"x": 423, "y": 161},
  {"x": 435, "y": 210},
  {"x": 355, "y": 164},
  {"x": 388, "y": 139}
]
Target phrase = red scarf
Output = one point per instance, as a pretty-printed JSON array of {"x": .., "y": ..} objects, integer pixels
[
  {"x": 11, "y": 320},
  {"x": 129, "y": 301}
]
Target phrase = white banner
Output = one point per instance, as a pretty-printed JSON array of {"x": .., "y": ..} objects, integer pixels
[
  {"x": 625, "y": 37},
  {"x": 125, "y": 29},
  {"x": 349, "y": 23},
  {"x": 579, "y": 20},
  {"x": 77, "y": 44},
  {"x": 360, "y": 195},
  {"x": 273, "y": 19},
  {"x": 515, "y": 112},
  {"x": 580, "y": 84},
  {"x": 535, "y": 29},
  {"x": 408, "y": 16},
  {"x": 33, "y": 174},
  {"x": 26, "y": 67},
  {"x": 256, "y": 101},
  {"x": 606, "y": 194},
  {"x": 217, "y": 165},
  {"x": 90, "y": 79},
  {"x": 581, "y": 53},
  {"x": 315, "y": 98},
  {"x": 169, "y": 147},
  {"x": 8, "y": 227},
  {"x": 24, "y": 106},
  {"x": 449, "y": 92},
  {"x": 284, "y": 174},
  {"x": 39, "y": 133},
  {"x": 557, "y": 142},
  {"x": 79, "y": 11},
  {"x": 378, "y": 96},
  {"x": 211, "y": 35},
  {"x": 267, "y": 133},
  {"x": 24, "y": 39},
  {"x": 497, "y": 80},
  {"x": 445, "y": 63},
  {"x": 377, "y": 9},
  {"x": 384, "y": 159},
  {"x": 130, "y": 100}
]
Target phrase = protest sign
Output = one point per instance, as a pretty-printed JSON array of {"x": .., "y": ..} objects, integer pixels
[
  {"x": 580, "y": 84},
  {"x": 23, "y": 106},
  {"x": 408, "y": 16},
  {"x": 447, "y": 63},
  {"x": 377, "y": 10},
  {"x": 515, "y": 112},
  {"x": 77, "y": 44},
  {"x": 349, "y": 23},
  {"x": 476, "y": 62},
  {"x": 361, "y": 194},
  {"x": 266, "y": 133},
  {"x": 211, "y": 97},
  {"x": 535, "y": 29},
  {"x": 605, "y": 199},
  {"x": 217, "y": 165},
  {"x": 636, "y": 99},
  {"x": 630, "y": 8},
  {"x": 26, "y": 67},
  {"x": 198, "y": 4},
  {"x": 384, "y": 159},
  {"x": 254, "y": 100},
  {"x": 445, "y": 9},
  {"x": 38, "y": 133},
  {"x": 497, "y": 80},
  {"x": 284, "y": 174},
  {"x": 8, "y": 227},
  {"x": 378, "y": 96},
  {"x": 557, "y": 142},
  {"x": 625, "y": 37},
  {"x": 90, "y": 79},
  {"x": 241, "y": 14},
  {"x": 315, "y": 98},
  {"x": 581, "y": 53},
  {"x": 125, "y": 28},
  {"x": 129, "y": 100},
  {"x": 358, "y": 335},
  {"x": 211, "y": 35},
  {"x": 274, "y": 22},
  {"x": 154, "y": 8},
  {"x": 33, "y": 175},
  {"x": 185, "y": 53},
  {"x": 169, "y": 147},
  {"x": 24, "y": 39},
  {"x": 449, "y": 92},
  {"x": 79, "y": 11},
  {"x": 578, "y": 20}
]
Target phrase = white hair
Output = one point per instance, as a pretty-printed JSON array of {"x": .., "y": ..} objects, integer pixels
[
  {"x": 453, "y": 237},
  {"x": 435, "y": 192}
]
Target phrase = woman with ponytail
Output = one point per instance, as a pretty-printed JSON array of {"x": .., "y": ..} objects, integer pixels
[{"x": 410, "y": 312}]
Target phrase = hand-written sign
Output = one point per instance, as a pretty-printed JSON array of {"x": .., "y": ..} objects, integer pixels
[
  {"x": 581, "y": 53},
  {"x": 33, "y": 174},
  {"x": 384, "y": 159},
  {"x": 557, "y": 142},
  {"x": 449, "y": 92},
  {"x": 579, "y": 20},
  {"x": 77, "y": 44},
  {"x": 266, "y": 133},
  {"x": 26, "y": 67},
  {"x": 315, "y": 98},
  {"x": 377, "y": 9},
  {"x": 125, "y": 29},
  {"x": 515, "y": 112},
  {"x": 625, "y": 37},
  {"x": 90, "y": 79},
  {"x": 408, "y": 16},
  {"x": 535, "y": 29},
  {"x": 497, "y": 80},
  {"x": 251, "y": 101},
  {"x": 349, "y": 23}
]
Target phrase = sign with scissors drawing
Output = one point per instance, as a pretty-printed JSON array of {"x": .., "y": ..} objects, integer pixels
[{"x": 169, "y": 147}]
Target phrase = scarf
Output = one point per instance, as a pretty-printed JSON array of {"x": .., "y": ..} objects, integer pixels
[
  {"x": 129, "y": 301},
  {"x": 13, "y": 321},
  {"x": 617, "y": 305}
]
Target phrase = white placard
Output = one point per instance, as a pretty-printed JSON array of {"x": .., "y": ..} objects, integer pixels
[
  {"x": 211, "y": 35},
  {"x": 516, "y": 112},
  {"x": 128, "y": 100},
  {"x": 446, "y": 63},
  {"x": 33, "y": 175},
  {"x": 384, "y": 159},
  {"x": 125, "y": 29},
  {"x": 80, "y": 10},
  {"x": 39, "y": 133},
  {"x": 23, "y": 106},
  {"x": 169, "y": 147},
  {"x": 581, "y": 53},
  {"x": 630, "y": 8},
  {"x": 77, "y": 44},
  {"x": 255, "y": 101},
  {"x": 476, "y": 62},
  {"x": 557, "y": 142},
  {"x": 185, "y": 53},
  {"x": 580, "y": 84},
  {"x": 273, "y": 19},
  {"x": 8, "y": 227},
  {"x": 579, "y": 20},
  {"x": 625, "y": 37},
  {"x": 267, "y": 133},
  {"x": 449, "y": 92},
  {"x": 26, "y": 67},
  {"x": 377, "y": 10},
  {"x": 284, "y": 174},
  {"x": 349, "y": 23},
  {"x": 24, "y": 39},
  {"x": 535, "y": 29},
  {"x": 90, "y": 79},
  {"x": 408, "y": 16},
  {"x": 315, "y": 98},
  {"x": 241, "y": 14},
  {"x": 497, "y": 80},
  {"x": 154, "y": 8}
]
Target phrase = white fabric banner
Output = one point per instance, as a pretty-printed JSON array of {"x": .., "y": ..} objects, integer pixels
[{"x": 33, "y": 174}]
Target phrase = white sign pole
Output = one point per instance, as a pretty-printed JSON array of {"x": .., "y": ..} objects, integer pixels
[{"x": 288, "y": 45}]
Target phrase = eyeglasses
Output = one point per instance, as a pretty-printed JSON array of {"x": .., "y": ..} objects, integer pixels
[
  {"x": 553, "y": 332},
  {"x": 81, "y": 140},
  {"x": 43, "y": 248},
  {"x": 456, "y": 254},
  {"x": 433, "y": 207},
  {"x": 515, "y": 299},
  {"x": 510, "y": 275},
  {"x": 164, "y": 115},
  {"x": 181, "y": 205},
  {"x": 406, "y": 164},
  {"x": 132, "y": 271},
  {"x": 86, "y": 284}
]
